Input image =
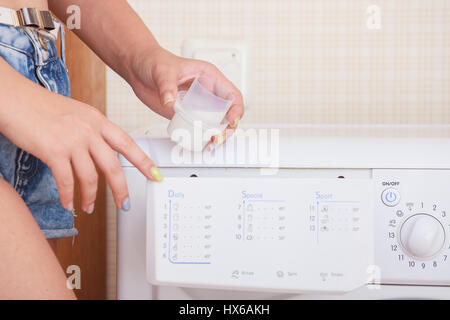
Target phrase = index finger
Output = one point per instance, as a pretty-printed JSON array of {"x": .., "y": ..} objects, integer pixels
[{"x": 125, "y": 145}]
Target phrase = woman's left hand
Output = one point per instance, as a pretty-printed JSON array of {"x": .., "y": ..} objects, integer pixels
[{"x": 157, "y": 74}]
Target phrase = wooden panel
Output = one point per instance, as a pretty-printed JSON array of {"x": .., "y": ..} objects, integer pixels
[{"x": 88, "y": 84}]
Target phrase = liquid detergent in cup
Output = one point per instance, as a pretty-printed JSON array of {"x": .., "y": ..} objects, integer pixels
[{"x": 199, "y": 112}]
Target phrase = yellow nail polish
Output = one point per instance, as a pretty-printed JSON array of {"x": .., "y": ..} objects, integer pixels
[
  {"x": 235, "y": 123},
  {"x": 219, "y": 140},
  {"x": 168, "y": 100},
  {"x": 156, "y": 174}
]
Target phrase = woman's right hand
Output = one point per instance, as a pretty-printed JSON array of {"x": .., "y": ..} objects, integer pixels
[{"x": 73, "y": 137}]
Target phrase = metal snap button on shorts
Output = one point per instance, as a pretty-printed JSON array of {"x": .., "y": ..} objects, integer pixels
[{"x": 32, "y": 179}]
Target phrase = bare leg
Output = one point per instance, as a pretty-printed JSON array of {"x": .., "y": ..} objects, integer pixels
[{"x": 28, "y": 267}]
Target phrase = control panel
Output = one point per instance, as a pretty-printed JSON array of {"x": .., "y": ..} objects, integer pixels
[
  {"x": 283, "y": 234},
  {"x": 299, "y": 235},
  {"x": 412, "y": 226}
]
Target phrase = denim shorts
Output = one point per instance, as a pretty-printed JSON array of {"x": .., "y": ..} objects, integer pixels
[{"x": 29, "y": 176}]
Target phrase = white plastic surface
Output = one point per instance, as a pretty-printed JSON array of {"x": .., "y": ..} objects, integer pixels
[
  {"x": 412, "y": 245},
  {"x": 347, "y": 147},
  {"x": 131, "y": 243},
  {"x": 294, "y": 235},
  {"x": 301, "y": 158}
]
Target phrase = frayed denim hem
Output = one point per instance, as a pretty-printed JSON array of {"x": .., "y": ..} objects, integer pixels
[{"x": 60, "y": 233}]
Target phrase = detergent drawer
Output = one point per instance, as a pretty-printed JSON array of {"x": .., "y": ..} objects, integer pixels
[{"x": 282, "y": 234}]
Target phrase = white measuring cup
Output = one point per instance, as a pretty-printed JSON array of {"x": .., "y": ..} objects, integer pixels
[{"x": 199, "y": 113}]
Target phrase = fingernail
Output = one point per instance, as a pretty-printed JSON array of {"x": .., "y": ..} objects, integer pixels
[
  {"x": 168, "y": 98},
  {"x": 219, "y": 140},
  {"x": 235, "y": 123},
  {"x": 90, "y": 209},
  {"x": 156, "y": 174},
  {"x": 70, "y": 206},
  {"x": 126, "y": 206}
]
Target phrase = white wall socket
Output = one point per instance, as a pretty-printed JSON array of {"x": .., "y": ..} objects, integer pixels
[{"x": 229, "y": 56}]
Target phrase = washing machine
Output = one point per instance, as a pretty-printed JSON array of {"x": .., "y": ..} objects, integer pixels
[{"x": 292, "y": 213}]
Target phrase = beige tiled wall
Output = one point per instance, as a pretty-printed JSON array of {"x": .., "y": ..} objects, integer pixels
[
  {"x": 312, "y": 61},
  {"x": 315, "y": 61}
]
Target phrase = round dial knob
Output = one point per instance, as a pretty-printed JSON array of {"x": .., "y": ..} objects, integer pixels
[{"x": 422, "y": 236}]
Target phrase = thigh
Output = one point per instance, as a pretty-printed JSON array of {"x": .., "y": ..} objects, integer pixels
[{"x": 28, "y": 267}]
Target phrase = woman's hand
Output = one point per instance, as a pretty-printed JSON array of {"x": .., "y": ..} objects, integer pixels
[
  {"x": 76, "y": 137},
  {"x": 70, "y": 137},
  {"x": 156, "y": 75}
]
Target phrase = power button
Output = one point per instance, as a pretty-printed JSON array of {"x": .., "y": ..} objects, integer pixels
[{"x": 390, "y": 197}]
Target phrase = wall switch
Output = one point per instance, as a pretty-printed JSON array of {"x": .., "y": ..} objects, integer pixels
[{"x": 229, "y": 56}]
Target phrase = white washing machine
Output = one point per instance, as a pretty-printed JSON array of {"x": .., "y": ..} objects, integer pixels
[{"x": 334, "y": 213}]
